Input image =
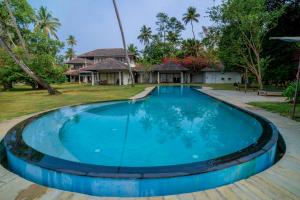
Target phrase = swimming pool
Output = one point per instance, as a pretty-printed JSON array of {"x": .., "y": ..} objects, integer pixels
[{"x": 176, "y": 140}]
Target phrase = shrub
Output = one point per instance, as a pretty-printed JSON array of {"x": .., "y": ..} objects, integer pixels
[{"x": 289, "y": 92}]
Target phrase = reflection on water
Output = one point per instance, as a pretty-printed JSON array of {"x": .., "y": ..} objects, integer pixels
[{"x": 175, "y": 125}]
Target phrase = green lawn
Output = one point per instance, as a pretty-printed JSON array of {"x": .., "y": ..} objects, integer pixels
[
  {"x": 22, "y": 100},
  {"x": 281, "y": 108}
]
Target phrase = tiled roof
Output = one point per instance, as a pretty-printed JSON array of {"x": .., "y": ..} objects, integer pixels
[
  {"x": 108, "y": 64},
  {"x": 79, "y": 61},
  {"x": 113, "y": 52},
  {"x": 169, "y": 67}
]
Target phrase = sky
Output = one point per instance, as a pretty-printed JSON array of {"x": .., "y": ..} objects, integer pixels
[{"x": 94, "y": 23}]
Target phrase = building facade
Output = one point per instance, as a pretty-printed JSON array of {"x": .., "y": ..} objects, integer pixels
[{"x": 108, "y": 66}]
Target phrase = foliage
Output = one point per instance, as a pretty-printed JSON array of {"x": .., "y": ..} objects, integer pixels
[
  {"x": 133, "y": 49},
  {"x": 145, "y": 35},
  {"x": 70, "y": 54},
  {"x": 283, "y": 64},
  {"x": 46, "y": 23},
  {"x": 289, "y": 92},
  {"x": 43, "y": 51},
  {"x": 243, "y": 26},
  {"x": 71, "y": 41},
  {"x": 191, "y": 16}
]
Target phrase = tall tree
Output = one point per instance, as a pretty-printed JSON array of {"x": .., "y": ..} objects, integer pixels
[
  {"x": 162, "y": 23},
  {"x": 71, "y": 41},
  {"x": 191, "y": 16},
  {"x": 70, "y": 54},
  {"x": 145, "y": 35},
  {"x": 17, "y": 60},
  {"x": 243, "y": 26},
  {"x": 14, "y": 23},
  {"x": 133, "y": 49},
  {"x": 46, "y": 23},
  {"x": 26, "y": 69},
  {"x": 124, "y": 41},
  {"x": 174, "y": 28}
]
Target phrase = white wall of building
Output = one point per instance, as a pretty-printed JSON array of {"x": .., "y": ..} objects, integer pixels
[
  {"x": 197, "y": 78},
  {"x": 220, "y": 77}
]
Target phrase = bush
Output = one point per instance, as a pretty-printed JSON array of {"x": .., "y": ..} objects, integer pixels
[{"x": 289, "y": 92}]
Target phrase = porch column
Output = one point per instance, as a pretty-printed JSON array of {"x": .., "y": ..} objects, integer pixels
[
  {"x": 98, "y": 78},
  {"x": 181, "y": 77},
  {"x": 150, "y": 79},
  {"x": 158, "y": 78},
  {"x": 93, "y": 78},
  {"x": 79, "y": 79},
  {"x": 120, "y": 78},
  {"x": 189, "y": 78}
]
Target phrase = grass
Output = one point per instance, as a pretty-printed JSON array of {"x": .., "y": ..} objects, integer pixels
[
  {"x": 283, "y": 109},
  {"x": 23, "y": 100}
]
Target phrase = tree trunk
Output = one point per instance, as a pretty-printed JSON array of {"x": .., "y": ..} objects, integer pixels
[
  {"x": 13, "y": 19},
  {"x": 124, "y": 42},
  {"x": 26, "y": 69},
  {"x": 195, "y": 45}
]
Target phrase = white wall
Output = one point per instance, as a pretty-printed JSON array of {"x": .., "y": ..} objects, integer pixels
[
  {"x": 197, "y": 78},
  {"x": 126, "y": 78},
  {"x": 219, "y": 77}
]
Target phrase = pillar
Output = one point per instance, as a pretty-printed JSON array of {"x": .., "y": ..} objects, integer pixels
[
  {"x": 189, "y": 77},
  {"x": 120, "y": 78},
  {"x": 93, "y": 78},
  {"x": 158, "y": 78},
  {"x": 79, "y": 79},
  {"x": 150, "y": 78},
  {"x": 181, "y": 79}
]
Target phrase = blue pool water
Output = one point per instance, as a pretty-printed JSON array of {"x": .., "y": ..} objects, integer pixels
[
  {"x": 176, "y": 125},
  {"x": 176, "y": 140}
]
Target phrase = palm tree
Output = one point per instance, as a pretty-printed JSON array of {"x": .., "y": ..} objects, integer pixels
[
  {"x": 14, "y": 24},
  {"x": 145, "y": 35},
  {"x": 46, "y": 23},
  {"x": 71, "y": 41},
  {"x": 133, "y": 49},
  {"x": 19, "y": 62},
  {"x": 26, "y": 69},
  {"x": 124, "y": 42},
  {"x": 190, "y": 17},
  {"x": 70, "y": 54}
]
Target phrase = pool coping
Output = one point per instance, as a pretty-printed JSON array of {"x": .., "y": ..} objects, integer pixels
[
  {"x": 278, "y": 182},
  {"x": 267, "y": 140}
]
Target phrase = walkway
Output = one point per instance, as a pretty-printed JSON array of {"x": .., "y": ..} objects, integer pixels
[{"x": 282, "y": 181}]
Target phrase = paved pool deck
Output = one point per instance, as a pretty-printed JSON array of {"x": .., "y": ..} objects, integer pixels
[{"x": 281, "y": 181}]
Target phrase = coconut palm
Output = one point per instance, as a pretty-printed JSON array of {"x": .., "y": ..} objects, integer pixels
[
  {"x": 18, "y": 61},
  {"x": 26, "y": 69},
  {"x": 133, "y": 49},
  {"x": 46, "y": 23},
  {"x": 14, "y": 24},
  {"x": 71, "y": 41},
  {"x": 124, "y": 41},
  {"x": 70, "y": 54},
  {"x": 190, "y": 17},
  {"x": 145, "y": 35}
]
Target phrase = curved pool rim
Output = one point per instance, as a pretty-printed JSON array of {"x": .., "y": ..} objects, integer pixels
[{"x": 15, "y": 145}]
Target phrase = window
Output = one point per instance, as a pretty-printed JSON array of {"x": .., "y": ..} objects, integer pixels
[
  {"x": 229, "y": 79},
  {"x": 222, "y": 78}
]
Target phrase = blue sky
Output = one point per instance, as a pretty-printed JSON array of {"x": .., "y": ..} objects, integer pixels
[{"x": 94, "y": 24}]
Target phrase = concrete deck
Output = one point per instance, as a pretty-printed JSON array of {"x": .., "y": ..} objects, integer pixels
[
  {"x": 143, "y": 94},
  {"x": 281, "y": 181}
]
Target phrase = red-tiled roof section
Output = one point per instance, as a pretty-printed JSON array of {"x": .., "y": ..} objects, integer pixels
[{"x": 114, "y": 52}]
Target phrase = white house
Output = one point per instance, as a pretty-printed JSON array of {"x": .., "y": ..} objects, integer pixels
[{"x": 107, "y": 66}]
